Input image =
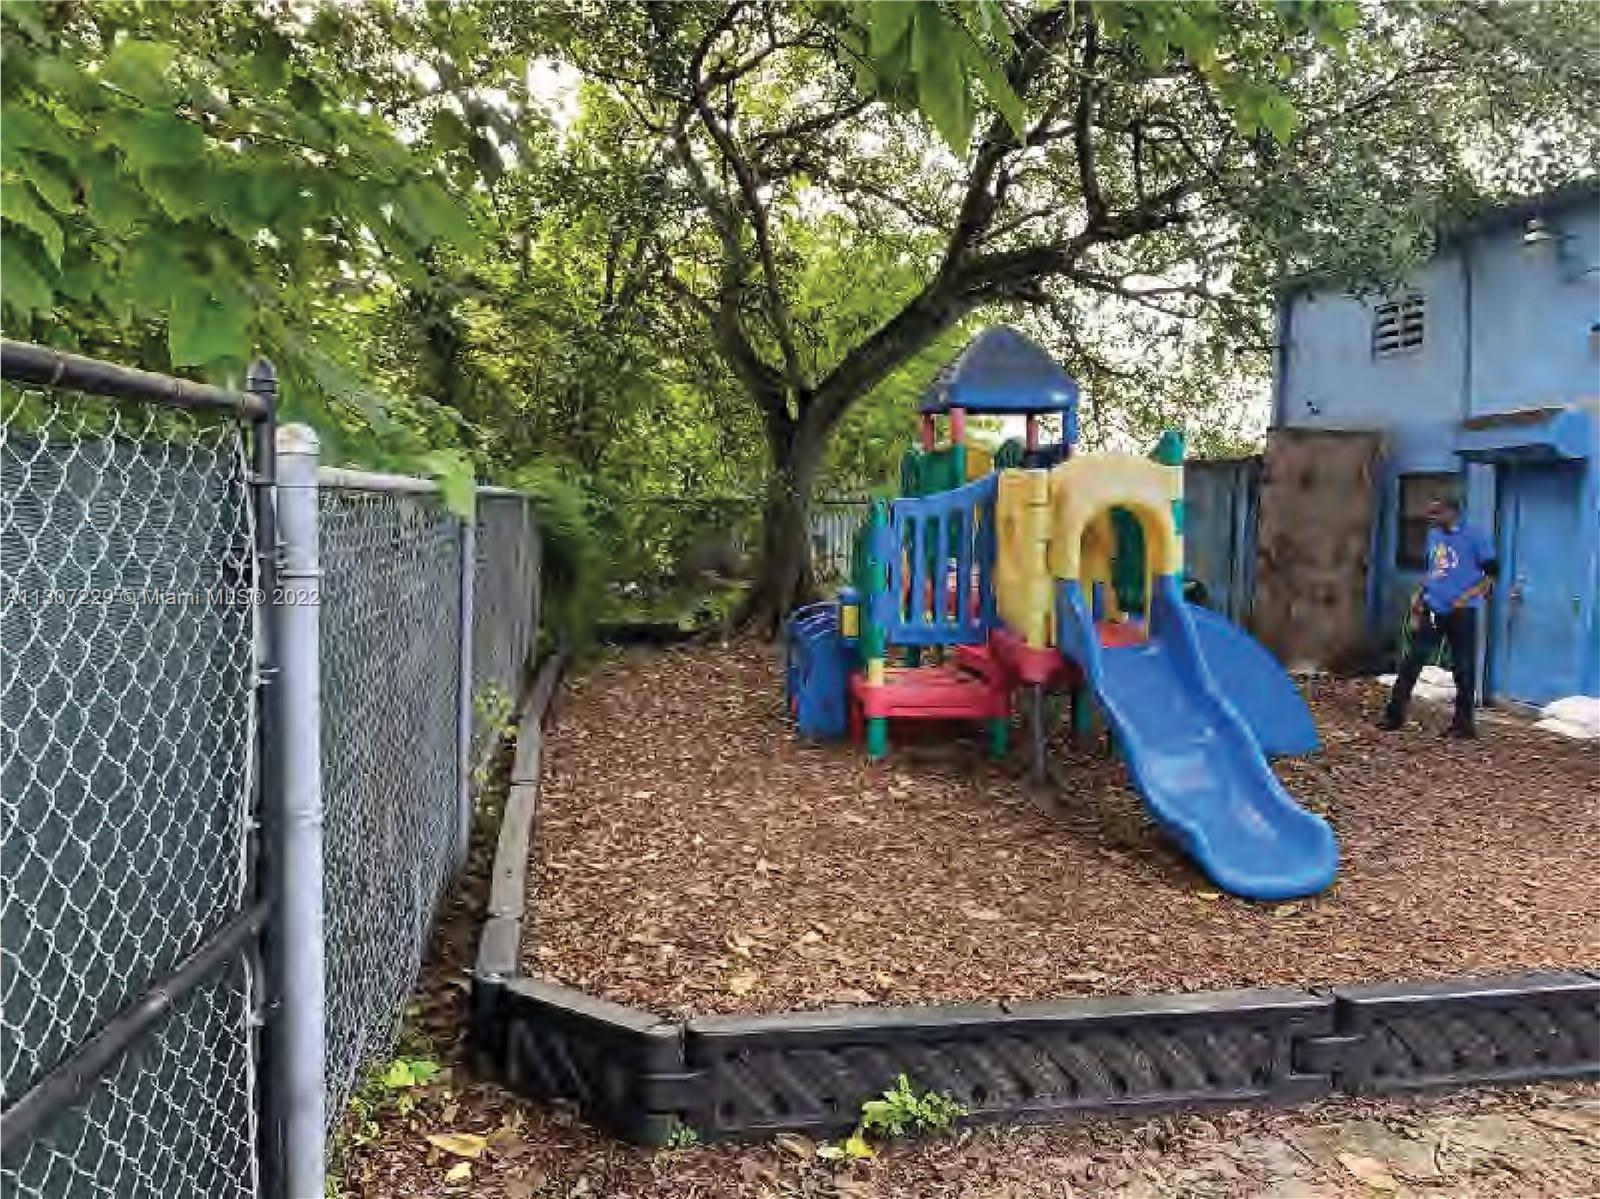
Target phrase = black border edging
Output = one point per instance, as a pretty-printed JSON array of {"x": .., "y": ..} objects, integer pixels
[
  {"x": 1508, "y": 1029},
  {"x": 501, "y": 939},
  {"x": 751, "y": 1076},
  {"x": 652, "y": 633},
  {"x": 811, "y": 1071}
]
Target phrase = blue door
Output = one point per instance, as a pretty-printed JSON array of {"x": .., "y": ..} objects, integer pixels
[{"x": 1541, "y": 584}]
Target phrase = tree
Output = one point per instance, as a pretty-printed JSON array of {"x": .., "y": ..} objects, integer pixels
[
  {"x": 187, "y": 186},
  {"x": 763, "y": 215},
  {"x": 1175, "y": 157}
]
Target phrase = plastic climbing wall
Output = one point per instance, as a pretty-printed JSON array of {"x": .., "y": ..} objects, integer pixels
[{"x": 1314, "y": 546}]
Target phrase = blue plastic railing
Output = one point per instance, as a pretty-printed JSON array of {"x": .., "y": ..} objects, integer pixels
[
  {"x": 940, "y": 550},
  {"x": 817, "y": 671}
]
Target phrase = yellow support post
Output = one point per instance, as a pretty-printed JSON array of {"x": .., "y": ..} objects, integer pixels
[{"x": 1022, "y": 575}]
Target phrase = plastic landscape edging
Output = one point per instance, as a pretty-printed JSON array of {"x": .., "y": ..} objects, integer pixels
[
  {"x": 1509, "y": 1029},
  {"x": 732, "y": 1077},
  {"x": 501, "y": 939},
  {"x": 1029, "y": 1061}
]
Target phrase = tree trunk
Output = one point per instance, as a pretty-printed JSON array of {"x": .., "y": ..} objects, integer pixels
[
  {"x": 783, "y": 573},
  {"x": 783, "y": 576}
]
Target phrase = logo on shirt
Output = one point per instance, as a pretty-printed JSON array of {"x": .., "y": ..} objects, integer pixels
[{"x": 1444, "y": 559}]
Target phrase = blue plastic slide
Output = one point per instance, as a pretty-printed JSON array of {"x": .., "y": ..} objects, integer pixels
[
  {"x": 1256, "y": 686},
  {"x": 1194, "y": 758}
]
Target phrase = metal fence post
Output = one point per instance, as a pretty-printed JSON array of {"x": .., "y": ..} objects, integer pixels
[
  {"x": 262, "y": 381},
  {"x": 469, "y": 565},
  {"x": 299, "y": 1082}
]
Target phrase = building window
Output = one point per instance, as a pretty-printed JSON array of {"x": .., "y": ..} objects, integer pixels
[
  {"x": 1397, "y": 325},
  {"x": 1416, "y": 491}
]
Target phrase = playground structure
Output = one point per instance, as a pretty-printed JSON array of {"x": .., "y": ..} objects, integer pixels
[{"x": 1036, "y": 569}]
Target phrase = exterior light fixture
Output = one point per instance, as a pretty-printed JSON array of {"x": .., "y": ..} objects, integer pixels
[{"x": 1538, "y": 232}]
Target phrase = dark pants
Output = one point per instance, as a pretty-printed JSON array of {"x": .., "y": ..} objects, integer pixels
[{"x": 1459, "y": 629}]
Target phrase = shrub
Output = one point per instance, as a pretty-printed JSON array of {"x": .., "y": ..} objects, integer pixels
[{"x": 573, "y": 565}]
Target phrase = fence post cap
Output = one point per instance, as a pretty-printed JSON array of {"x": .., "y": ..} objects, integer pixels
[
  {"x": 262, "y": 374},
  {"x": 297, "y": 439}
]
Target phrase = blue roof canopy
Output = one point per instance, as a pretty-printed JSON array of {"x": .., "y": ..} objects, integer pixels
[
  {"x": 1570, "y": 432},
  {"x": 1001, "y": 371}
]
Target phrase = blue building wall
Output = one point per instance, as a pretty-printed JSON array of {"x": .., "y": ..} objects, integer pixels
[
  {"x": 1512, "y": 324},
  {"x": 1533, "y": 311}
]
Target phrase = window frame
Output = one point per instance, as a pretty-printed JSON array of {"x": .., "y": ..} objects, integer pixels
[
  {"x": 1399, "y": 325},
  {"x": 1423, "y": 485}
]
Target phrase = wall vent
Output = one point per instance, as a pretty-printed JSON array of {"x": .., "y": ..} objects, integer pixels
[{"x": 1397, "y": 325}]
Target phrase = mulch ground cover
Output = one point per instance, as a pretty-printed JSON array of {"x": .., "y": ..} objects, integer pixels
[
  {"x": 1538, "y": 1141},
  {"x": 693, "y": 857}
]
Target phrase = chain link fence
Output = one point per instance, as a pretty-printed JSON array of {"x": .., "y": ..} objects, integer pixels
[
  {"x": 141, "y": 614},
  {"x": 174, "y": 1117},
  {"x": 391, "y": 564},
  {"x": 834, "y": 521},
  {"x": 391, "y": 677},
  {"x": 685, "y": 559},
  {"x": 505, "y": 610},
  {"x": 127, "y": 732}
]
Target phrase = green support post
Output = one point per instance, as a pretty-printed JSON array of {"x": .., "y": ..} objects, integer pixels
[
  {"x": 1169, "y": 448},
  {"x": 877, "y": 738},
  {"x": 1082, "y": 714},
  {"x": 874, "y": 637},
  {"x": 999, "y": 736},
  {"x": 958, "y": 446},
  {"x": 1169, "y": 451}
]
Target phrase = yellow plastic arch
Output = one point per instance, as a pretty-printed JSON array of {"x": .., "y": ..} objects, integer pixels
[
  {"x": 1082, "y": 493},
  {"x": 1097, "y": 551}
]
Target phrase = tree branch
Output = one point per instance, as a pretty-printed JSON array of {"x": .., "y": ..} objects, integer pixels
[
  {"x": 750, "y": 189},
  {"x": 934, "y": 309},
  {"x": 1002, "y": 276},
  {"x": 1083, "y": 131},
  {"x": 820, "y": 171},
  {"x": 821, "y": 123},
  {"x": 1026, "y": 217},
  {"x": 978, "y": 205}
]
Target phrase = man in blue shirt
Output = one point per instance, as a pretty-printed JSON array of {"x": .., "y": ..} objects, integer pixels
[{"x": 1461, "y": 567}]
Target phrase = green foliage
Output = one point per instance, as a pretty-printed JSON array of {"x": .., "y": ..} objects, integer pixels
[
  {"x": 933, "y": 56},
  {"x": 404, "y": 1073},
  {"x": 1214, "y": 40},
  {"x": 675, "y": 560},
  {"x": 185, "y": 186},
  {"x": 149, "y": 183},
  {"x": 573, "y": 568},
  {"x": 453, "y": 471},
  {"x": 906, "y": 1108},
  {"x": 493, "y": 708},
  {"x": 682, "y": 1136},
  {"x": 385, "y": 1087},
  {"x": 492, "y": 705}
]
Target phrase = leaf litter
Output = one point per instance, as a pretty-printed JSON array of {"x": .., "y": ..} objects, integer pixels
[
  {"x": 1539, "y": 1141},
  {"x": 762, "y": 873}
]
